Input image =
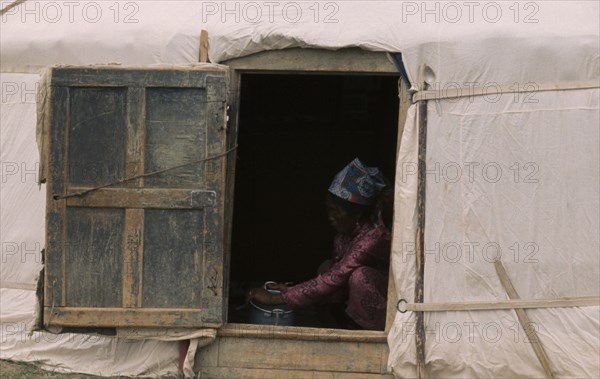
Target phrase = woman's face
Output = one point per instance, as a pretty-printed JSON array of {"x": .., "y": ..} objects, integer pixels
[{"x": 339, "y": 218}]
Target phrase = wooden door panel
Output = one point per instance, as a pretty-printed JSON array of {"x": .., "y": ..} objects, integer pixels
[
  {"x": 172, "y": 138},
  {"x": 93, "y": 255},
  {"x": 97, "y": 129},
  {"x": 135, "y": 196},
  {"x": 172, "y": 243}
]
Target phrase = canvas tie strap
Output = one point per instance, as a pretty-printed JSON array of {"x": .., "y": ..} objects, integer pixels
[
  {"x": 11, "y": 6},
  {"x": 18, "y": 285},
  {"x": 564, "y": 302},
  {"x": 495, "y": 89}
]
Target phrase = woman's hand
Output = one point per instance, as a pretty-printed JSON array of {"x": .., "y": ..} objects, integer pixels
[
  {"x": 263, "y": 296},
  {"x": 325, "y": 266},
  {"x": 277, "y": 286}
]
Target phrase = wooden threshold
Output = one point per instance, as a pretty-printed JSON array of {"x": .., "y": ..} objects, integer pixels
[
  {"x": 301, "y": 333},
  {"x": 235, "y": 372},
  {"x": 281, "y": 357}
]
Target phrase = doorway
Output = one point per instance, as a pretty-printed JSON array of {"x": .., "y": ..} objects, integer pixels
[{"x": 295, "y": 132}]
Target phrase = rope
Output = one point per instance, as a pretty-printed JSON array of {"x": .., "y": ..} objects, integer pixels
[
  {"x": 11, "y": 6},
  {"x": 496, "y": 89},
  {"x": 56, "y": 197}
]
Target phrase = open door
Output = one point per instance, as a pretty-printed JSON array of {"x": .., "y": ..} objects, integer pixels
[{"x": 135, "y": 181}]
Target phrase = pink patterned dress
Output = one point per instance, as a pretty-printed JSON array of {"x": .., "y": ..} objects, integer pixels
[{"x": 358, "y": 275}]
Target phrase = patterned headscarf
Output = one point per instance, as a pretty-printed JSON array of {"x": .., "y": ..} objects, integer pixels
[{"x": 358, "y": 183}]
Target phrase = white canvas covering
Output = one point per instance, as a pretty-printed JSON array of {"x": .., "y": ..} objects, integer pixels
[
  {"x": 548, "y": 212},
  {"x": 481, "y": 206}
]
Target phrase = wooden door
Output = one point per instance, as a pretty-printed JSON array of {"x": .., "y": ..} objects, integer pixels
[{"x": 136, "y": 168}]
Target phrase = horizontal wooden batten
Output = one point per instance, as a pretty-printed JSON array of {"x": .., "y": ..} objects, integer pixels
[
  {"x": 250, "y": 373},
  {"x": 120, "y": 317},
  {"x": 301, "y": 333},
  {"x": 307, "y": 61},
  {"x": 147, "y": 198},
  {"x": 130, "y": 76}
]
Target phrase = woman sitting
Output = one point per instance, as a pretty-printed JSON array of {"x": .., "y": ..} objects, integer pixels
[{"x": 358, "y": 274}]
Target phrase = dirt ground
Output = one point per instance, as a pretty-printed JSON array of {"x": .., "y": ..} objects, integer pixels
[{"x": 23, "y": 370}]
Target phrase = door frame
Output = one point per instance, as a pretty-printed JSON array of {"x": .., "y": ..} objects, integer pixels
[{"x": 304, "y": 61}]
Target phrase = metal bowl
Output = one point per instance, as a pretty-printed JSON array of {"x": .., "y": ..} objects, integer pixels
[{"x": 262, "y": 314}]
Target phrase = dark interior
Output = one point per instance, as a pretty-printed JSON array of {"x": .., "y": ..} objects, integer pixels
[{"x": 295, "y": 133}]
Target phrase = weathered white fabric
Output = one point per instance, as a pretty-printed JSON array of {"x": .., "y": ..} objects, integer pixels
[{"x": 508, "y": 179}]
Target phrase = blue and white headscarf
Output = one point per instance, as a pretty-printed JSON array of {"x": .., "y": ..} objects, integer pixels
[{"x": 357, "y": 183}]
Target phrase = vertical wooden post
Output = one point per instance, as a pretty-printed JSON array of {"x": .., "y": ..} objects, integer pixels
[
  {"x": 133, "y": 236},
  {"x": 420, "y": 234},
  {"x": 203, "y": 57}
]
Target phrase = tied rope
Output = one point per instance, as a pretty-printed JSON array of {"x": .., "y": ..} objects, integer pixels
[{"x": 119, "y": 181}]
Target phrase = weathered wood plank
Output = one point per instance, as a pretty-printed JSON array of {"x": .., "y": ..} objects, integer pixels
[
  {"x": 420, "y": 232},
  {"x": 288, "y": 354},
  {"x": 230, "y": 170},
  {"x": 248, "y": 373},
  {"x": 54, "y": 285},
  {"x": 214, "y": 177},
  {"x": 44, "y": 113},
  {"x": 301, "y": 333},
  {"x": 149, "y": 198},
  {"x": 116, "y": 317},
  {"x": 136, "y": 135},
  {"x": 203, "y": 56},
  {"x": 97, "y": 134},
  {"x": 343, "y": 60},
  {"x": 175, "y": 135},
  {"x": 193, "y": 76},
  {"x": 133, "y": 243},
  {"x": 172, "y": 269},
  {"x": 94, "y": 251},
  {"x": 133, "y": 247},
  {"x": 240, "y": 352}
]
